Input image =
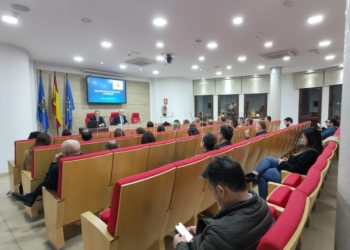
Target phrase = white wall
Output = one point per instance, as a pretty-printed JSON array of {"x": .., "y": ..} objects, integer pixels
[
  {"x": 179, "y": 92},
  {"x": 17, "y": 99},
  {"x": 325, "y": 105},
  {"x": 289, "y": 99}
]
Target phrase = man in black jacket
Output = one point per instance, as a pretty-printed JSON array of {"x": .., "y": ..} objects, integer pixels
[
  {"x": 244, "y": 217},
  {"x": 225, "y": 135},
  {"x": 98, "y": 118},
  {"x": 68, "y": 148}
]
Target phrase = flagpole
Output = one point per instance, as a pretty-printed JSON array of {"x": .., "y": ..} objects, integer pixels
[{"x": 56, "y": 117}]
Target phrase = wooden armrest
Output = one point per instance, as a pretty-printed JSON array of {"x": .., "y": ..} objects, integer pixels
[
  {"x": 27, "y": 174},
  {"x": 279, "y": 209},
  {"x": 11, "y": 163},
  {"x": 284, "y": 174},
  {"x": 271, "y": 186},
  {"x": 95, "y": 234},
  {"x": 51, "y": 194}
]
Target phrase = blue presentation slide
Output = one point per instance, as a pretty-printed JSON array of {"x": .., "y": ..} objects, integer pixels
[{"x": 104, "y": 90}]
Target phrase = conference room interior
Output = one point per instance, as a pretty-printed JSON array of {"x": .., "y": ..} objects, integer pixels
[{"x": 283, "y": 58}]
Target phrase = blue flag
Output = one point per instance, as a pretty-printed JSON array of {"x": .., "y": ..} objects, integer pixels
[
  {"x": 69, "y": 105},
  {"x": 41, "y": 112}
]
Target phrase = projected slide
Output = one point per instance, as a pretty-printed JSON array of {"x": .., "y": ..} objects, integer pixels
[{"x": 104, "y": 90}]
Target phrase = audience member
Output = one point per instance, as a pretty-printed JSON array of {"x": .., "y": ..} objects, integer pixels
[
  {"x": 208, "y": 143},
  {"x": 176, "y": 125},
  {"x": 196, "y": 120},
  {"x": 66, "y": 132},
  {"x": 267, "y": 119},
  {"x": 288, "y": 121},
  {"x": 33, "y": 134},
  {"x": 241, "y": 122},
  {"x": 260, "y": 129},
  {"x": 210, "y": 122},
  {"x": 86, "y": 135},
  {"x": 186, "y": 122},
  {"x": 192, "y": 131},
  {"x": 140, "y": 131},
  {"x": 98, "y": 118},
  {"x": 234, "y": 123},
  {"x": 147, "y": 137},
  {"x": 223, "y": 120},
  {"x": 225, "y": 136},
  {"x": 150, "y": 124},
  {"x": 203, "y": 124},
  {"x": 166, "y": 124},
  {"x": 192, "y": 125},
  {"x": 68, "y": 148},
  {"x": 248, "y": 121},
  {"x": 42, "y": 139},
  {"x": 177, "y": 121},
  {"x": 160, "y": 128},
  {"x": 270, "y": 168},
  {"x": 331, "y": 128},
  {"x": 243, "y": 219},
  {"x": 120, "y": 119},
  {"x": 112, "y": 144},
  {"x": 118, "y": 132}
]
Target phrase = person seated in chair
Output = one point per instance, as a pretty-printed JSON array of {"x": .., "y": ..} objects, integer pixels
[
  {"x": 267, "y": 118},
  {"x": 140, "y": 131},
  {"x": 243, "y": 219},
  {"x": 288, "y": 121},
  {"x": 120, "y": 119},
  {"x": 150, "y": 124},
  {"x": 112, "y": 144},
  {"x": 33, "y": 134},
  {"x": 86, "y": 135},
  {"x": 331, "y": 124},
  {"x": 208, "y": 142},
  {"x": 148, "y": 137},
  {"x": 97, "y": 117},
  {"x": 68, "y": 148},
  {"x": 225, "y": 136},
  {"x": 66, "y": 132},
  {"x": 118, "y": 132},
  {"x": 160, "y": 128},
  {"x": 42, "y": 139},
  {"x": 260, "y": 129},
  {"x": 192, "y": 130}
]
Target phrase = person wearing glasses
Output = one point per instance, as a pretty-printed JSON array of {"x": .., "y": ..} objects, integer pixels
[
  {"x": 225, "y": 136},
  {"x": 331, "y": 124}
]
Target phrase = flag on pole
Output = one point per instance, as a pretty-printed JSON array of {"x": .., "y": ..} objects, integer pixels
[
  {"x": 41, "y": 113},
  {"x": 56, "y": 107},
  {"x": 69, "y": 105}
]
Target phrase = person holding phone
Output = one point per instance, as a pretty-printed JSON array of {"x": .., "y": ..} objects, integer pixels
[{"x": 242, "y": 221}]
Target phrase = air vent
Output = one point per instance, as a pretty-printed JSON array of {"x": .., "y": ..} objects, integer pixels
[
  {"x": 280, "y": 54},
  {"x": 288, "y": 3},
  {"x": 140, "y": 61}
]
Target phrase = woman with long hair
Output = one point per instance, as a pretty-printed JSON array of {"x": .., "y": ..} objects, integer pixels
[
  {"x": 42, "y": 139},
  {"x": 208, "y": 143},
  {"x": 270, "y": 168}
]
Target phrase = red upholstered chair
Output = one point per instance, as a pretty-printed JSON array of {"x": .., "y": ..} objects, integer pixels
[
  {"x": 88, "y": 116},
  {"x": 140, "y": 205},
  {"x": 113, "y": 114},
  {"x": 135, "y": 118},
  {"x": 286, "y": 232}
]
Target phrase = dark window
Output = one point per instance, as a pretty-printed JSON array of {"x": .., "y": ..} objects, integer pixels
[
  {"x": 255, "y": 105},
  {"x": 204, "y": 107},
  {"x": 228, "y": 105},
  {"x": 335, "y": 97},
  {"x": 310, "y": 103}
]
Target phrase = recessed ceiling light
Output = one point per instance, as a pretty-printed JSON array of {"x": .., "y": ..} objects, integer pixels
[
  {"x": 268, "y": 44},
  {"x": 229, "y": 67},
  {"x": 219, "y": 73},
  {"x": 238, "y": 20},
  {"x": 78, "y": 58},
  {"x": 86, "y": 20},
  {"x": 324, "y": 43},
  {"x": 310, "y": 71},
  {"x": 155, "y": 72},
  {"x": 212, "y": 45},
  {"x": 140, "y": 69},
  {"x": 286, "y": 58},
  {"x": 255, "y": 75},
  {"x": 122, "y": 66},
  {"x": 194, "y": 67},
  {"x": 227, "y": 78},
  {"x": 101, "y": 62},
  {"x": 201, "y": 58},
  {"x": 330, "y": 57},
  {"x": 315, "y": 19},
  {"x": 20, "y": 7},
  {"x": 242, "y": 58},
  {"x": 159, "y": 22},
  {"x": 10, "y": 19},
  {"x": 106, "y": 44},
  {"x": 261, "y": 67},
  {"x": 160, "y": 45},
  {"x": 341, "y": 65},
  {"x": 160, "y": 58}
]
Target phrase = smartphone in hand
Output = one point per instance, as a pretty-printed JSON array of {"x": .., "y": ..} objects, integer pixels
[{"x": 181, "y": 229}]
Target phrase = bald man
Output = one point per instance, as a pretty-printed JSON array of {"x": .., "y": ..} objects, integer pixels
[
  {"x": 68, "y": 148},
  {"x": 119, "y": 119}
]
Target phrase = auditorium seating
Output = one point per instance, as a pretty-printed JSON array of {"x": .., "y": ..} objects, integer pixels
[
  {"x": 135, "y": 118},
  {"x": 88, "y": 117}
]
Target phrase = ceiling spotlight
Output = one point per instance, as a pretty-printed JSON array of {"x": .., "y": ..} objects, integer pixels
[
  {"x": 286, "y": 58},
  {"x": 218, "y": 73},
  {"x": 194, "y": 67},
  {"x": 255, "y": 75},
  {"x": 203, "y": 79},
  {"x": 324, "y": 43},
  {"x": 268, "y": 44},
  {"x": 101, "y": 62},
  {"x": 160, "y": 45},
  {"x": 261, "y": 67},
  {"x": 238, "y": 20},
  {"x": 341, "y": 65},
  {"x": 227, "y": 78},
  {"x": 122, "y": 66},
  {"x": 310, "y": 71},
  {"x": 106, "y": 44},
  {"x": 201, "y": 58},
  {"x": 242, "y": 58},
  {"x": 86, "y": 20},
  {"x": 159, "y": 22},
  {"x": 160, "y": 58},
  {"x": 78, "y": 58},
  {"x": 212, "y": 45},
  {"x": 10, "y": 19},
  {"x": 140, "y": 69},
  {"x": 229, "y": 67},
  {"x": 330, "y": 57},
  {"x": 155, "y": 72},
  {"x": 315, "y": 19}
]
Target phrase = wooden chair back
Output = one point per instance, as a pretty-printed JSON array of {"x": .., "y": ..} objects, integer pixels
[
  {"x": 160, "y": 154},
  {"x": 184, "y": 148},
  {"x": 20, "y": 147},
  {"x": 240, "y": 153},
  {"x": 163, "y": 136},
  {"x": 59, "y": 140},
  {"x": 128, "y": 141},
  {"x": 254, "y": 150},
  {"x": 41, "y": 160}
]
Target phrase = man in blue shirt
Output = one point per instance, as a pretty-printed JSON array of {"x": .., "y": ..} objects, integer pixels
[{"x": 331, "y": 128}]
